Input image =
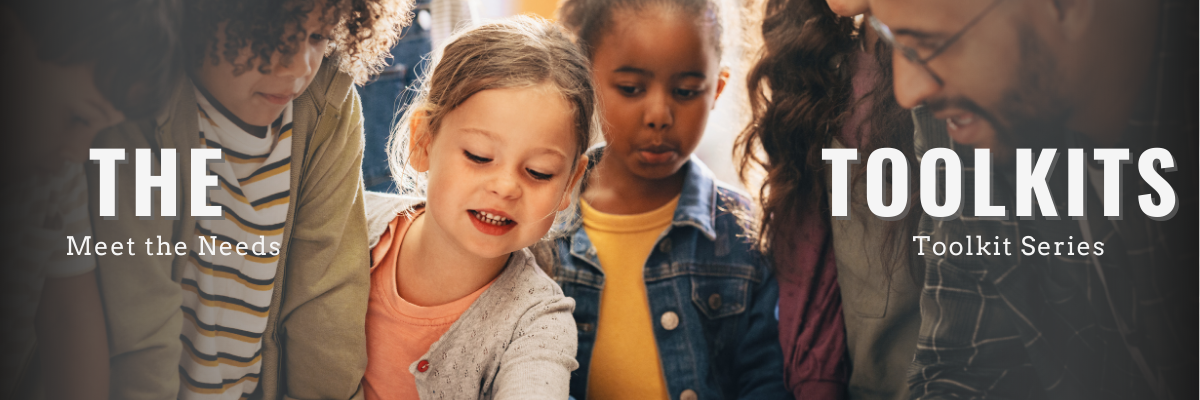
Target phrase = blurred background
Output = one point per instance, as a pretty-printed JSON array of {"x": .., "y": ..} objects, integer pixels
[{"x": 436, "y": 20}]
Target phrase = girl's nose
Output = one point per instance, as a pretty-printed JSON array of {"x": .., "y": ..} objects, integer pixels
[
  {"x": 658, "y": 113},
  {"x": 505, "y": 185}
]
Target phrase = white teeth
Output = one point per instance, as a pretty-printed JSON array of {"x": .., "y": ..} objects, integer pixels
[
  {"x": 490, "y": 218},
  {"x": 960, "y": 121}
]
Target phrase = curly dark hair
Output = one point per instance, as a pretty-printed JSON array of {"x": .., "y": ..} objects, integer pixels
[
  {"x": 800, "y": 97},
  {"x": 364, "y": 31}
]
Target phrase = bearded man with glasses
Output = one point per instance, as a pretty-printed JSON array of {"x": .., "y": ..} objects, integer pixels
[{"x": 1008, "y": 74}]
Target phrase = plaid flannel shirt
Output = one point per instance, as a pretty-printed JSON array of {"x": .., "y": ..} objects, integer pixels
[{"x": 1063, "y": 326}]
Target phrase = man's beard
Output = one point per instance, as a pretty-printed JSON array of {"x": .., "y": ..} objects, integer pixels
[{"x": 1032, "y": 113}]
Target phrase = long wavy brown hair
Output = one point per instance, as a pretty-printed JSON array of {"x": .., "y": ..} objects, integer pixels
[{"x": 800, "y": 98}]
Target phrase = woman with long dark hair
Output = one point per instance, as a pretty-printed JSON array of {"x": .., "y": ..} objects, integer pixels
[{"x": 822, "y": 81}]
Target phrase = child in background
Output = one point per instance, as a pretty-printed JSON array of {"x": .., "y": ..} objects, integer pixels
[
  {"x": 270, "y": 84},
  {"x": 672, "y": 299},
  {"x": 73, "y": 67},
  {"x": 458, "y": 307}
]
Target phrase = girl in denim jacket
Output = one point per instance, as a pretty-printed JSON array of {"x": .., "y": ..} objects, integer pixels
[{"x": 672, "y": 299}]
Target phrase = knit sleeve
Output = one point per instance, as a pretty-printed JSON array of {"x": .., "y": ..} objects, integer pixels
[{"x": 538, "y": 361}]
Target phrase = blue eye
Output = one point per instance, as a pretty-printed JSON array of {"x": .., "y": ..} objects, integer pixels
[
  {"x": 538, "y": 175},
  {"x": 476, "y": 159}
]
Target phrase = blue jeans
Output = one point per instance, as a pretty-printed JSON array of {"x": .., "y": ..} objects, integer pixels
[{"x": 386, "y": 97}]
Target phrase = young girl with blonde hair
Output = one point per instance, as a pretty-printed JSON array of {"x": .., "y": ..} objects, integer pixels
[{"x": 488, "y": 155}]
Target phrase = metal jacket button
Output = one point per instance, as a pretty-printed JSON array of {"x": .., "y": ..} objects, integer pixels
[
  {"x": 688, "y": 394},
  {"x": 669, "y": 320},
  {"x": 714, "y": 301}
]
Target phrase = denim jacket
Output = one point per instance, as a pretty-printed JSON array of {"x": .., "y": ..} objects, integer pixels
[{"x": 711, "y": 295}]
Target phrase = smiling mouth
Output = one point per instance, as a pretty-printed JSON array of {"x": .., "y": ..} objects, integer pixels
[
  {"x": 490, "y": 219},
  {"x": 491, "y": 223},
  {"x": 961, "y": 120}
]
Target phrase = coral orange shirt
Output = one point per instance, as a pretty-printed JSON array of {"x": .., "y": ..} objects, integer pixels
[{"x": 398, "y": 332}]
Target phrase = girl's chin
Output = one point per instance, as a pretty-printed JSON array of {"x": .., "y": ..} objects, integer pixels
[{"x": 492, "y": 254}]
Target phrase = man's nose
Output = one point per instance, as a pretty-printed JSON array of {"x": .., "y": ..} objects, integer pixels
[{"x": 912, "y": 83}]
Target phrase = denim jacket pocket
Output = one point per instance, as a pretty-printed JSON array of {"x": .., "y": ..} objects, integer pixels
[{"x": 721, "y": 292}]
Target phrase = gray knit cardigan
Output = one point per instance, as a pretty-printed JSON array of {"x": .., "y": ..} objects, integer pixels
[{"x": 517, "y": 341}]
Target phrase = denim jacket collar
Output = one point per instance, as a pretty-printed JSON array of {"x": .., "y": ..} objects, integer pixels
[
  {"x": 698, "y": 201},
  {"x": 696, "y": 209}
]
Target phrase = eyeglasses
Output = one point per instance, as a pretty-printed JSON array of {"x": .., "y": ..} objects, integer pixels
[{"x": 911, "y": 54}]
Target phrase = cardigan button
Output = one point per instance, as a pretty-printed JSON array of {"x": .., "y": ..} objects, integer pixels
[
  {"x": 423, "y": 366},
  {"x": 669, "y": 320},
  {"x": 688, "y": 394}
]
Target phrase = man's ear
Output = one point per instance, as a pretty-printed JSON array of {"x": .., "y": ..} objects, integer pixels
[
  {"x": 1074, "y": 17},
  {"x": 419, "y": 140},
  {"x": 580, "y": 169},
  {"x": 722, "y": 78}
]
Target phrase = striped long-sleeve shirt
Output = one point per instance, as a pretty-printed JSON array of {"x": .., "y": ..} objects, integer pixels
[{"x": 230, "y": 278}]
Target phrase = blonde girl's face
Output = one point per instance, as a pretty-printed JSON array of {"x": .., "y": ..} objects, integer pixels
[{"x": 500, "y": 166}]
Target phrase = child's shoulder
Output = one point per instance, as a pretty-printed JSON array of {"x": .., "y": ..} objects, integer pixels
[
  {"x": 382, "y": 208},
  {"x": 525, "y": 296},
  {"x": 524, "y": 276},
  {"x": 730, "y": 195},
  {"x": 735, "y": 209},
  {"x": 726, "y": 194},
  {"x": 330, "y": 85},
  {"x": 735, "y": 221}
]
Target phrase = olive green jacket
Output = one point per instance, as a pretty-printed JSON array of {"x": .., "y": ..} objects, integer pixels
[{"x": 314, "y": 343}]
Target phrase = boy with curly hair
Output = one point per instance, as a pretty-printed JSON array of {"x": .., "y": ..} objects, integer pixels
[{"x": 270, "y": 83}]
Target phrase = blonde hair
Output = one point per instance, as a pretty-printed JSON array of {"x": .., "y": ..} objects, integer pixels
[{"x": 516, "y": 52}]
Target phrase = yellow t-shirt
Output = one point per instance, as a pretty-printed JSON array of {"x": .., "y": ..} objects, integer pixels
[{"x": 625, "y": 362}]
